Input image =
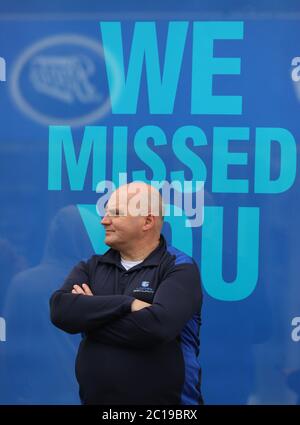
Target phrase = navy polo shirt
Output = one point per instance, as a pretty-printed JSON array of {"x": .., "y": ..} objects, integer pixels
[{"x": 150, "y": 356}]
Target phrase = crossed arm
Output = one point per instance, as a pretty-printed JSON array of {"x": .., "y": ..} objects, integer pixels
[
  {"x": 86, "y": 290},
  {"x": 122, "y": 319}
]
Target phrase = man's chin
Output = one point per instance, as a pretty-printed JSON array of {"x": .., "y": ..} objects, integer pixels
[{"x": 109, "y": 241}]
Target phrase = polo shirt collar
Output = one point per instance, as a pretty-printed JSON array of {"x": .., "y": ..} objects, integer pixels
[{"x": 112, "y": 256}]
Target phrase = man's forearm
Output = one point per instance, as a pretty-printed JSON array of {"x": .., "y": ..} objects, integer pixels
[
  {"x": 176, "y": 300},
  {"x": 66, "y": 317},
  {"x": 140, "y": 329},
  {"x": 76, "y": 313}
]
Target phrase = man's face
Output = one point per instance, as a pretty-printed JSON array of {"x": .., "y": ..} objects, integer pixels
[{"x": 121, "y": 228}]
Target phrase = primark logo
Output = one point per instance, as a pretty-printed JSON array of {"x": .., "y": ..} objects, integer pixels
[{"x": 2, "y": 69}]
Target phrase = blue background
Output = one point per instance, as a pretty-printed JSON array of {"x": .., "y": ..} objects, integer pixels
[{"x": 247, "y": 353}]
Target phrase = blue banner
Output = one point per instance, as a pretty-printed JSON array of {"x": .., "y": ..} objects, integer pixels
[{"x": 88, "y": 98}]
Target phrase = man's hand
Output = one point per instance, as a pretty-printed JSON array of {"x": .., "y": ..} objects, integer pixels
[
  {"x": 138, "y": 305},
  {"x": 84, "y": 290}
]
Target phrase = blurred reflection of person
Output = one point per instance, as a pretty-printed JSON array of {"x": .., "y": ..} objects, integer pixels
[{"x": 38, "y": 359}]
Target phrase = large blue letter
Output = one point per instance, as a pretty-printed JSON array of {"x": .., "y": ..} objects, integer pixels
[
  {"x": 147, "y": 155},
  {"x": 286, "y": 166},
  {"x": 222, "y": 158},
  {"x": 95, "y": 230},
  {"x": 186, "y": 156},
  {"x": 119, "y": 157},
  {"x": 60, "y": 139},
  {"x": 205, "y": 65},
  {"x": 182, "y": 236},
  {"x": 161, "y": 90},
  {"x": 247, "y": 254}
]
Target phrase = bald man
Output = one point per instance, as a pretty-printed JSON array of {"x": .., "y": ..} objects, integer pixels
[{"x": 138, "y": 308}]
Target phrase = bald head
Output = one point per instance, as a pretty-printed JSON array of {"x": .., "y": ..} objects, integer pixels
[
  {"x": 139, "y": 199},
  {"x": 134, "y": 218}
]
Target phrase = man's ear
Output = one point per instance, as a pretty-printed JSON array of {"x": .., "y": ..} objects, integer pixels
[{"x": 148, "y": 222}]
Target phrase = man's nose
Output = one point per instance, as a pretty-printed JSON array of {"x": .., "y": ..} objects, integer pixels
[{"x": 106, "y": 220}]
